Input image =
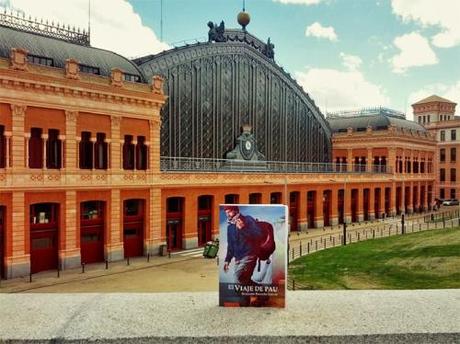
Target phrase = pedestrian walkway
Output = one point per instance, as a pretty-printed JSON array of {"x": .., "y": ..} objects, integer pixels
[{"x": 193, "y": 253}]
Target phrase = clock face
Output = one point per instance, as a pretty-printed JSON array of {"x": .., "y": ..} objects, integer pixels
[{"x": 248, "y": 145}]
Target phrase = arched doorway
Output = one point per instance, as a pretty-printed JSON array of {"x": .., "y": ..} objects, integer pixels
[
  {"x": 327, "y": 209},
  {"x": 174, "y": 222},
  {"x": 204, "y": 219},
  {"x": 366, "y": 200},
  {"x": 377, "y": 205},
  {"x": 92, "y": 224},
  {"x": 293, "y": 210},
  {"x": 311, "y": 200},
  {"x": 133, "y": 227},
  {"x": 44, "y": 230}
]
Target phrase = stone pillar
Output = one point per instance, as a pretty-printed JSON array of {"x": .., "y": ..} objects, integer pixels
[
  {"x": 7, "y": 149},
  {"x": 17, "y": 136},
  {"x": 347, "y": 203},
  {"x": 369, "y": 160},
  {"x": 302, "y": 219},
  {"x": 45, "y": 144},
  {"x": 114, "y": 246},
  {"x": 115, "y": 147},
  {"x": 371, "y": 203},
  {"x": 382, "y": 201},
  {"x": 190, "y": 229},
  {"x": 318, "y": 218},
  {"x": 154, "y": 149},
  {"x": 219, "y": 198},
  {"x": 360, "y": 204},
  {"x": 18, "y": 263},
  {"x": 265, "y": 197},
  {"x": 391, "y": 161},
  {"x": 410, "y": 208},
  {"x": 70, "y": 254},
  {"x": 335, "y": 207},
  {"x": 154, "y": 236},
  {"x": 350, "y": 160}
]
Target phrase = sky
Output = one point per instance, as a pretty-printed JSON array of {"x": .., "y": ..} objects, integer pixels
[{"x": 347, "y": 54}]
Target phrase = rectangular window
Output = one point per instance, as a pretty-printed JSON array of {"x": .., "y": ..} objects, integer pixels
[
  {"x": 86, "y": 151},
  {"x": 141, "y": 153},
  {"x": 442, "y": 175},
  {"x": 100, "y": 152},
  {"x": 53, "y": 150},
  {"x": 132, "y": 77},
  {"x": 453, "y": 154},
  {"x": 41, "y": 60},
  {"x": 128, "y": 153},
  {"x": 453, "y": 135},
  {"x": 442, "y": 194},
  {"x": 453, "y": 175},
  {"x": 442, "y": 155},
  {"x": 452, "y": 194},
  {"x": 36, "y": 148},
  {"x": 89, "y": 69},
  {"x": 443, "y": 135}
]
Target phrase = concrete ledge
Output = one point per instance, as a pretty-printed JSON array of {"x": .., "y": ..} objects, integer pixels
[{"x": 422, "y": 316}]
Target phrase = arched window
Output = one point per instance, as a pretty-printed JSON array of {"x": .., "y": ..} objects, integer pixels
[
  {"x": 54, "y": 150},
  {"x": 100, "y": 152},
  {"x": 141, "y": 153},
  {"x": 36, "y": 148},
  {"x": 86, "y": 150},
  {"x": 128, "y": 153}
]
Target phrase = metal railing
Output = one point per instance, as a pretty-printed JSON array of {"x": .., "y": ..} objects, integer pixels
[{"x": 181, "y": 164}]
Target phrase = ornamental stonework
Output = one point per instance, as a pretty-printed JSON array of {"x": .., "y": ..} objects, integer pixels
[{"x": 18, "y": 59}]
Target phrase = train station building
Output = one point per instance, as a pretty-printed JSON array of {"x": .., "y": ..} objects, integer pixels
[{"x": 103, "y": 158}]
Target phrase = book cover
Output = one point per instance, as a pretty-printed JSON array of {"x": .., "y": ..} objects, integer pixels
[{"x": 252, "y": 255}]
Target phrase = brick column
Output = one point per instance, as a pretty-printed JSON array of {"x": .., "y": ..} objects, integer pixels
[
  {"x": 154, "y": 148},
  {"x": 17, "y": 136},
  {"x": 219, "y": 198},
  {"x": 370, "y": 161},
  {"x": 391, "y": 161},
  {"x": 154, "y": 235},
  {"x": 410, "y": 208},
  {"x": 350, "y": 160},
  {"x": 318, "y": 218},
  {"x": 18, "y": 264},
  {"x": 371, "y": 203},
  {"x": 360, "y": 204},
  {"x": 302, "y": 205},
  {"x": 335, "y": 207},
  {"x": 114, "y": 246},
  {"x": 347, "y": 203},
  {"x": 266, "y": 197},
  {"x": 70, "y": 254},
  {"x": 190, "y": 234},
  {"x": 71, "y": 144},
  {"x": 115, "y": 147}
]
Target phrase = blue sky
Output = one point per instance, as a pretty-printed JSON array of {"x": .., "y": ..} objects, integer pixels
[{"x": 345, "y": 53}]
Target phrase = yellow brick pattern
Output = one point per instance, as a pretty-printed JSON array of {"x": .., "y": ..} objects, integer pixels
[
  {"x": 17, "y": 138},
  {"x": 18, "y": 224}
]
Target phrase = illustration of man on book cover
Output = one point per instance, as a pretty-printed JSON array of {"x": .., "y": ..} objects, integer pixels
[{"x": 252, "y": 255}]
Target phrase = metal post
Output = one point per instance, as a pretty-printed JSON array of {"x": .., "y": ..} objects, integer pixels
[
  {"x": 402, "y": 224},
  {"x": 106, "y": 264},
  {"x": 344, "y": 234},
  {"x": 300, "y": 248},
  {"x": 148, "y": 257},
  {"x": 82, "y": 268},
  {"x": 30, "y": 277},
  {"x": 127, "y": 260}
]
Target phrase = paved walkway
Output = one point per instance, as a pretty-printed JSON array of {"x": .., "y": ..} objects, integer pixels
[{"x": 414, "y": 316}]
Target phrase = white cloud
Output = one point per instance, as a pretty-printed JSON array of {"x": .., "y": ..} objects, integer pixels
[
  {"x": 450, "y": 92},
  {"x": 299, "y": 2},
  {"x": 351, "y": 62},
  {"x": 319, "y": 31},
  {"x": 114, "y": 24},
  {"x": 442, "y": 14},
  {"x": 415, "y": 51},
  {"x": 335, "y": 90}
]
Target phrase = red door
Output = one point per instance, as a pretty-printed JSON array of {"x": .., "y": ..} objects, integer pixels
[
  {"x": 204, "y": 230},
  {"x": 92, "y": 232},
  {"x": 2, "y": 242},
  {"x": 174, "y": 235},
  {"x": 133, "y": 228},
  {"x": 44, "y": 237}
]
